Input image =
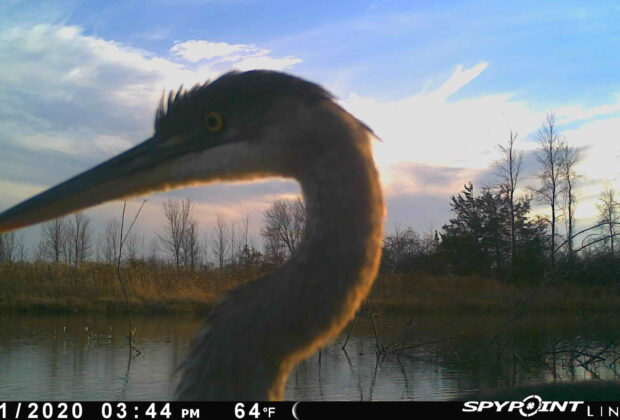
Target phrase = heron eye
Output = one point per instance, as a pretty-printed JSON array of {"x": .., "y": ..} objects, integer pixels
[{"x": 214, "y": 121}]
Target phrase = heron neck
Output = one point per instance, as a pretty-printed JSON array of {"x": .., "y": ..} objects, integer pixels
[
  {"x": 333, "y": 268},
  {"x": 344, "y": 215},
  {"x": 263, "y": 328}
]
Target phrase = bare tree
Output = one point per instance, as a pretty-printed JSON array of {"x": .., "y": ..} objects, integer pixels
[
  {"x": 274, "y": 250},
  {"x": 22, "y": 248},
  {"x": 221, "y": 242},
  {"x": 609, "y": 215},
  {"x": 233, "y": 242},
  {"x": 133, "y": 245},
  {"x": 509, "y": 169},
  {"x": 78, "y": 238},
  {"x": 98, "y": 249},
  {"x": 153, "y": 252},
  {"x": 569, "y": 159},
  {"x": 191, "y": 246},
  {"x": 247, "y": 255},
  {"x": 399, "y": 247},
  {"x": 111, "y": 241},
  {"x": 180, "y": 232},
  {"x": 204, "y": 248},
  {"x": 245, "y": 228},
  {"x": 549, "y": 157},
  {"x": 53, "y": 244},
  {"x": 284, "y": 223},
  {"x": 9, "y": 247}
]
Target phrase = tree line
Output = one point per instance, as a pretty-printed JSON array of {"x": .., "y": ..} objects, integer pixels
[
  {"x": 495, "y": 233},
  {"x": 72, "y": 240}
]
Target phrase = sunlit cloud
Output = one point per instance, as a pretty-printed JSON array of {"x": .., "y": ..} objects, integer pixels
[
  {"x": 572, "y": 113},
  {"x": 194, "y": 50},
  {"x": 238, "y": 56},
  {"x": 266, "y": 62},
  {"x": 432, "y": 144},
  {"x": 458, "y": 80},
  {"x": 428, "y": 127},
  {"x": 599, "y": 164}
]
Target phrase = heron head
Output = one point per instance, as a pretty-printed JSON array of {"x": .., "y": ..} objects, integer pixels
[{"x": 240, "y": 126}]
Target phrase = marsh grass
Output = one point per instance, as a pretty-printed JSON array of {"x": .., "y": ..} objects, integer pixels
[
  {"x": 424, "y": 293},
  {"x": 93, "y": 287}
]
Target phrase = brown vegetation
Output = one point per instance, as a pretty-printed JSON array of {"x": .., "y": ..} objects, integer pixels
[
  {"x": 424, "y": 293},
  {"x": 93, "y": 287}
]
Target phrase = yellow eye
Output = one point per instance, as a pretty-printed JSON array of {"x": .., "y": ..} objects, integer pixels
[{"x": 214, "y": 121}]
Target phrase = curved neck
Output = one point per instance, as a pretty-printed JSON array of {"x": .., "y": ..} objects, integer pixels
[
  {"x": 333, "y": 268},
  {"x": 344, "y": 226},
  {"x": 262, "y": 329}
]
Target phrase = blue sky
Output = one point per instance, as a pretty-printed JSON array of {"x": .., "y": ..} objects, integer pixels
[
  {"x": 536, "y": 48},
  {"x": 441, "y": 82}
]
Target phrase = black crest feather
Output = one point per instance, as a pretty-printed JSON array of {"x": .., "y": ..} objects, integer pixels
[{"x": 235, "y": 89}]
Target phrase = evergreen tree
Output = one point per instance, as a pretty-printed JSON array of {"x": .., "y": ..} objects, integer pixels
[{"x": 479, "y": 239}]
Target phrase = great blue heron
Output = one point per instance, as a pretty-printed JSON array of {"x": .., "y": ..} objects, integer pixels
[{"x": 245, "y": 126}]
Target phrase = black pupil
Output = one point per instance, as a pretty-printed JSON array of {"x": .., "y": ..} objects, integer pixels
[{"x": 212, "y": 121}]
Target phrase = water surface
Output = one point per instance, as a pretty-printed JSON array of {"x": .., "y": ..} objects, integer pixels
[{"x": 427, "y": 357}]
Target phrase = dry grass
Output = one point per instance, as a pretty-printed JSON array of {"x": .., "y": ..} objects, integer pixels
[
  {"x": 473, "y": 294},
  {"x": 42, "y": 287},
  {"x": 45, "y": 288}
]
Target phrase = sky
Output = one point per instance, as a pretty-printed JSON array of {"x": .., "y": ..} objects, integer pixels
[{"x": 441, "y": 83}]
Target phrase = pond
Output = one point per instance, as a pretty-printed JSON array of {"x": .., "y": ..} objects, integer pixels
[{"x": 423, "y": 357}]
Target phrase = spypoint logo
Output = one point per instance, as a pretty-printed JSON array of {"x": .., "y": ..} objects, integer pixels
[
  {"x": 527, "y": 408},
  {"x": 531, "y": 405}
]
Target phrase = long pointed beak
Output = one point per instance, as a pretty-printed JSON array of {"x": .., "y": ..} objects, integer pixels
[{"x": 130, "y": 173}]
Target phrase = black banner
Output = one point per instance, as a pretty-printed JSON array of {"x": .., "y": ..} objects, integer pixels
[{"x": 303, "y": 410}]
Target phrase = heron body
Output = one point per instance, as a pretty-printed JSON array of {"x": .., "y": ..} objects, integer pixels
[{"x": 246, "y": 126}]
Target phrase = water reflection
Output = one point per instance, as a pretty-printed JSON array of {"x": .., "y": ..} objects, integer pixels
[{"x": 86, "y": 358}]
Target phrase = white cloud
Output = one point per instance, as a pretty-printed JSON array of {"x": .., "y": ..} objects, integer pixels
[
  {"x": 194, "y": 50},
  {"x": 428, "y": 128},
  {"x": 600, "y": 141},
  {"x": 266, "y": 62},
  {"x": 573, "y": 113},
  {"x": 459, "y": 79},
  {"x": 427, "y": 133},
  {"x": 60, "y": 89},
  {"x": 239, "y": 56}
]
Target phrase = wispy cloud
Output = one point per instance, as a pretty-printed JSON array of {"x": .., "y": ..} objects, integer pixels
[
  {"x": 459, "y": 79},
  {"x": 429, "y": 127},
  {"x": 239, "y": 56},
  {"x": 80, "y": 95},
  {"x": 194, "y": 51}
]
